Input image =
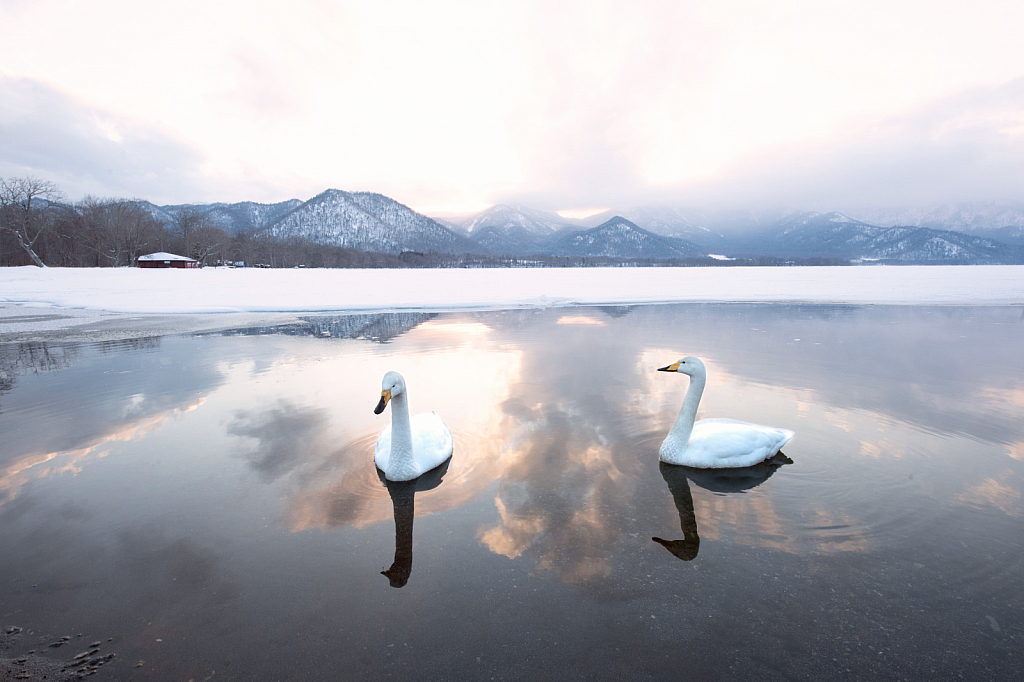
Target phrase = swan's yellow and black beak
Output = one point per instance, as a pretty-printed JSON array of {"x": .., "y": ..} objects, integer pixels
[
  {"x": 674, "y": 367},
  {"x": 385, "y": 396}
]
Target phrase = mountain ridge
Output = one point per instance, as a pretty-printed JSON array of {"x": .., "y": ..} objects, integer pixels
[{"x": 371, "y": 221}]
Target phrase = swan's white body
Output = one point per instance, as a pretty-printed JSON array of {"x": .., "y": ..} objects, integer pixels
[
  {"x": 408, "y": 447},
  {"x": 715, "y": 443}
]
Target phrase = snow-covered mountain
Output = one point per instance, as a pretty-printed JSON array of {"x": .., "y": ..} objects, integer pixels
[
  {"x": 513, "y": 240},
  {"x": 924, "y": 245},
  {"x": 839, "y": 236},
  {"x": 954, "y": 233},
  {"x": 997, "y": 220},
  {"x": 515, "y": 218},
  {"x": 161, "y": 214},
  {"x": 665, "y": 220},
  {"x": 713, "y": 230},
  {"x": 620, "y": 238},
  {"x": 232, "y": 218},
  {"x": 367, "y": 221},
  {"x": 248, "y": 215},
  {"x": 453, "y": 226},
  {"x": 514, "y": 230},
  {"x": 520, "y": 231}
]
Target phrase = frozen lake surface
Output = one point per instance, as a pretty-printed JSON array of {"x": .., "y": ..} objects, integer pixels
[
  {"x": 133, "y": 290},
  {"x": 208, "y": 502}
]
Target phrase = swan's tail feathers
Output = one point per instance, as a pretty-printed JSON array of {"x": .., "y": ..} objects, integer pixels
[{"x": 780, "y": 458}]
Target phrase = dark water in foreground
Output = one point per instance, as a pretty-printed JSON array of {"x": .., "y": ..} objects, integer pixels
[{"x": 210, "y": 503}]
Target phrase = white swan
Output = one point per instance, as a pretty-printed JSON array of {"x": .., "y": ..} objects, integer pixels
[
  {"x": 715, "y": 443},
  {"x": 408, "y": 448}
]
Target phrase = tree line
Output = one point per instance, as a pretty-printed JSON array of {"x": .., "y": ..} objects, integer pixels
[{"x": 39, "y": 227}]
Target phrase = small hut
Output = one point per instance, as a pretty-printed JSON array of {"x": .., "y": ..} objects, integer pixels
[{"x": 161, "y": 259}]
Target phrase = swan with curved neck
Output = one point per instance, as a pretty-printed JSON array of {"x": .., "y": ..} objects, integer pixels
[
  {"x": 714, "y": 443},
  {"x": 408, "y": 447}
]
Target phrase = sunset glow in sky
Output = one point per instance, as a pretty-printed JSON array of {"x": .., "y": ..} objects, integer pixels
[{"x": 452, "y": 106}]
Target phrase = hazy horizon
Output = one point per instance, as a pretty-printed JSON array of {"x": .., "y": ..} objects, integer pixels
[{"x": 448, "y": 107}]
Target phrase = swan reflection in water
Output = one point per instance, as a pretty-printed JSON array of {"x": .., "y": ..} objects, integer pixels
[
  {"x": 403, "y": 494},
  {"x": 717, "y": 481}
]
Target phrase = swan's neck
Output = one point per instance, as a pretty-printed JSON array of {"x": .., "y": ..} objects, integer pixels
[
  {"x": 681, "y": 430},
  {"x": 401, "y": 460}
]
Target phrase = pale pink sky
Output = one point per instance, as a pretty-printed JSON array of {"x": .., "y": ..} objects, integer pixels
[{"x": 563, "y": 105}]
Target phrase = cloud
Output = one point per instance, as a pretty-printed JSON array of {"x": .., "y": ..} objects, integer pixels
[
  {"x": 86, "y": 150},
  {"x": 969, "y": 147},
  {"x": 576, "y": 105}
]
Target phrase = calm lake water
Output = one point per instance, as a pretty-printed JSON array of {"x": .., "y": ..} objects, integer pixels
[{"x": 209, "y": 502}]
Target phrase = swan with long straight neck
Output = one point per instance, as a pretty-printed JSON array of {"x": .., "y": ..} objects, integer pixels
[
  {"x": 408, "y": 447},
  {"x": 714, "y": 443}
]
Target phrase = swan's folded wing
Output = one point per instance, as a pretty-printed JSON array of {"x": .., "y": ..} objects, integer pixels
[
  {"x": 431, "y": 440},
  {"x": 722, "y": 443}
]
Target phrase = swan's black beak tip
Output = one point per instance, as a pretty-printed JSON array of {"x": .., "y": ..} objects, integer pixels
[
  {"x": 666, "y": 368},
  {"x": 380, "y": 406}
]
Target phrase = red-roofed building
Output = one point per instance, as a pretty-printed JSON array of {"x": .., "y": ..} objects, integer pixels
[{"x": 161, "y": 259}]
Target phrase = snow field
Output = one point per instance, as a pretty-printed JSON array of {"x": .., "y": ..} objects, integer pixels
[{"x": 212, "y": 290}]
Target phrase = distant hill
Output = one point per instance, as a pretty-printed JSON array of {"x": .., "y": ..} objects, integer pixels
[
  {"x": 502, "y": 217},
  {"x": 518, "y": 231},
  {"x": 960, "y": 233},
  {"x": 620, "y": 238},
  {"x": 232, "y": 218},
  {"x": 1003, "y": 221},
  {"x": 788, "y": 233},
  {"x": 371, "y": 222},
  {"x": 248, "y": 215},
  {"x": 812, "y": 234},
  {"x": 666, "y": 221},
  {"x": 515, "y": 231},
  {"x": 512, "y": 240}
]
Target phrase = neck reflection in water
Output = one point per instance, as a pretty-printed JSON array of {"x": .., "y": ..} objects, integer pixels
[
  {"x": 403, "y": 499},
  {"x": 717, "y": 481}
]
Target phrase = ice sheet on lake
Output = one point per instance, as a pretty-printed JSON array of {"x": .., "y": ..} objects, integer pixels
[{"x": 298, "y": 290}]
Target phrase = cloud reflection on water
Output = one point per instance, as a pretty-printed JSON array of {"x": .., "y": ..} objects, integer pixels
[
  {"x": 997, "y": 493},
  {"x": 561, "y": 422},
  {"x": 285, "y": 437},
  {"x": 32, "y": 466},
  {"x": 577, "y": 464},
  {"x": 84, "y": 399}
]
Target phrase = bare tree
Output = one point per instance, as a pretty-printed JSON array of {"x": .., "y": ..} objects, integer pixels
[
  {"x": 116, "y": 229},
  {"x": 208, "y": 242},
  {"x": 92, "y": 234},
  {"x": 199, "y": 238},
  {"x": 19, "y": 217},
  {"x": 131, "y": 228},
  {"x": 187, "y": 220}
]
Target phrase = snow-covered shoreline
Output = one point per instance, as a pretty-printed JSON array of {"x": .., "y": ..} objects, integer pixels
[{"x": 133, "y": 290}]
